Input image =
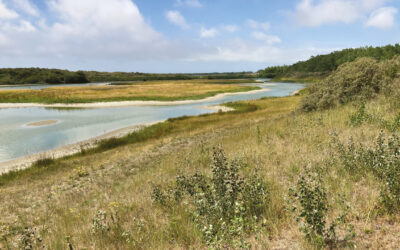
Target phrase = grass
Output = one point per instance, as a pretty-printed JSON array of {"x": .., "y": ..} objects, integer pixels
[
  {"x": 101, "y": 199},
  {"x": 140, "y": 91},
  {"x": 210, "y": 81},
  {"x": 297, "y": 79}
]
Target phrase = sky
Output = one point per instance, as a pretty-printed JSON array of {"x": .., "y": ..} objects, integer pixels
[{"x": 187, "y": 36}]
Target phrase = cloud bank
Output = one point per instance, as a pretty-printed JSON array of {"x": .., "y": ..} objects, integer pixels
[{"x": 314, "y": 13}]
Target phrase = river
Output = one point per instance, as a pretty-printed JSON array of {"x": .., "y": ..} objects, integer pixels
[{"x": 17, "y": 139}]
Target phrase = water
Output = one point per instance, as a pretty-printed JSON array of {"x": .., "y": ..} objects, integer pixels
[{"x": 18, "y": 140}]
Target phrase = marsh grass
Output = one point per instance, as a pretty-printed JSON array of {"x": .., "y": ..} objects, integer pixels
[{"x": 142, "y": 91}]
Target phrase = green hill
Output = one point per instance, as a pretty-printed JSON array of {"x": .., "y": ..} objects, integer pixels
[{"x": 322, "y": 65}]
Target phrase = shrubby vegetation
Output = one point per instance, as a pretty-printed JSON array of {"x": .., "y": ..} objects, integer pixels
[
  {"x": 309, "y": 201},
  {"x": 56, "y": 76},
  {"x": 225, "y": 207},
  {"x": 382, "y": 159},
  {"x": 360, "y": 80},
  {"x": 41, "y": 76},
  {"x": 322, "y": 65}
]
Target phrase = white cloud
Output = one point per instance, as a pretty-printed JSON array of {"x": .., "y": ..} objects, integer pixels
[
  {"x": 114, "y": 35},
  {"x": 3, "y": 40},
  {"x": 91, "y": 18},
  {"x": 208, "y": 33},
  {"x": 175, "y": 17},
  {"x": 382, "y": 18},
  {"x": 239, "y": 50},
  {"x": 258, "y": 25},
  {"x": 90, "y": 29},
  {"x": 6, "y": 13},
  {"x": 310, "y": 14},
  {"x": 230, "y": 28},
  {"x": 21, "y": 26},
  {"x": 190, "y": 3},
  {"x": 314, "y": 13},
  {"x": 26, "y": 6},
  {"x": 269, "y": 39}
]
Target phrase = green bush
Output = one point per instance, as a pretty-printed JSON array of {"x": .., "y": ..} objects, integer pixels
[
  {"x": 356, "y": 80},
  {"x": 382, "y": 159},
  {"x": 360, "y": 116},
  {"x": 225, "y": 207},
  {"x": 360, "y": 80},
  {"x": 310, "y": 203}
]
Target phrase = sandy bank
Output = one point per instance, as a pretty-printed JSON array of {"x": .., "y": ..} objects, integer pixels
[
  {"x": 296, "y": 92},
  {"x": 126, "y": 103},
  {"x": 42, "y": 123}
]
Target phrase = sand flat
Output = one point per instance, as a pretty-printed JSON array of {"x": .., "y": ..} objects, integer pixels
[
  {"x": 127, "y": 103},
  {"x": 42, "y": 123}
]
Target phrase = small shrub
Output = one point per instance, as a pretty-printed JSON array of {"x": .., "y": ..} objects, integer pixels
[
  {"x": 102, "y": 221},
  {"x": 225, "y": 207},
  {"x": 360, "y": 116},
  {"x": 382, "y": 159},
  {"x": 80, "y": 172},
  {"x": 310, "y": 203}
]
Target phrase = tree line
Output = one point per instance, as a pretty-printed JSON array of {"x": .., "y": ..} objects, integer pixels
[
  {"x": 324, "y": 64},
  {"x": 13, "y": 76}
]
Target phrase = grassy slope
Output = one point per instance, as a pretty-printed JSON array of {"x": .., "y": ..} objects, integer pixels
[
  {"x": 141, "y": 91},
  {"x": 61, "y": 199}
]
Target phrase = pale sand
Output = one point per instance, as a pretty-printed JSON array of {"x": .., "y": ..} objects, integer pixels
[
  {"x": 296, "y": 92},
  {"x": 126, "y": 103},
  {"x": 26, "y": 162},
  {"x": 218, "y": 108},
  {"x": 42, "y": 123}
]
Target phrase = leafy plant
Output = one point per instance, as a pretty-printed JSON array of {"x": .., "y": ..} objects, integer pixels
[
  {"x": 102, "y": 221},
  {"x": 360, "y": 116},
  {"x": 310, "y": 203},
  {"x": 382, "y": 159},
  {"x": 225, "y": 207}
]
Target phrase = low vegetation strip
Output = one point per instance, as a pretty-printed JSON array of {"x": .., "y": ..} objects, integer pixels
[{"x": 143, "y": 91}]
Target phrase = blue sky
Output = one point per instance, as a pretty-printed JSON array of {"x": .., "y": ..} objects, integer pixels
[{"x": 187, "y": 35}]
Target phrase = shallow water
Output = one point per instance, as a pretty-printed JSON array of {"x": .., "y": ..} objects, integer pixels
[{"x": 18, "y": 140}]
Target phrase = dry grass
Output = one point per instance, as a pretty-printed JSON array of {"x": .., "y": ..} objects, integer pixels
[
  {"x": 152, "y": 90},
  {"x": 61, "y": 200}
]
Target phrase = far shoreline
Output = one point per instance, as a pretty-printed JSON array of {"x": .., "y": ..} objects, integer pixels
[{"x": 127, "y": 103}]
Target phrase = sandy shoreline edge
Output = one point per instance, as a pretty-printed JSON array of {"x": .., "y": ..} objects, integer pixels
[{"x": 127, "y": 103}]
